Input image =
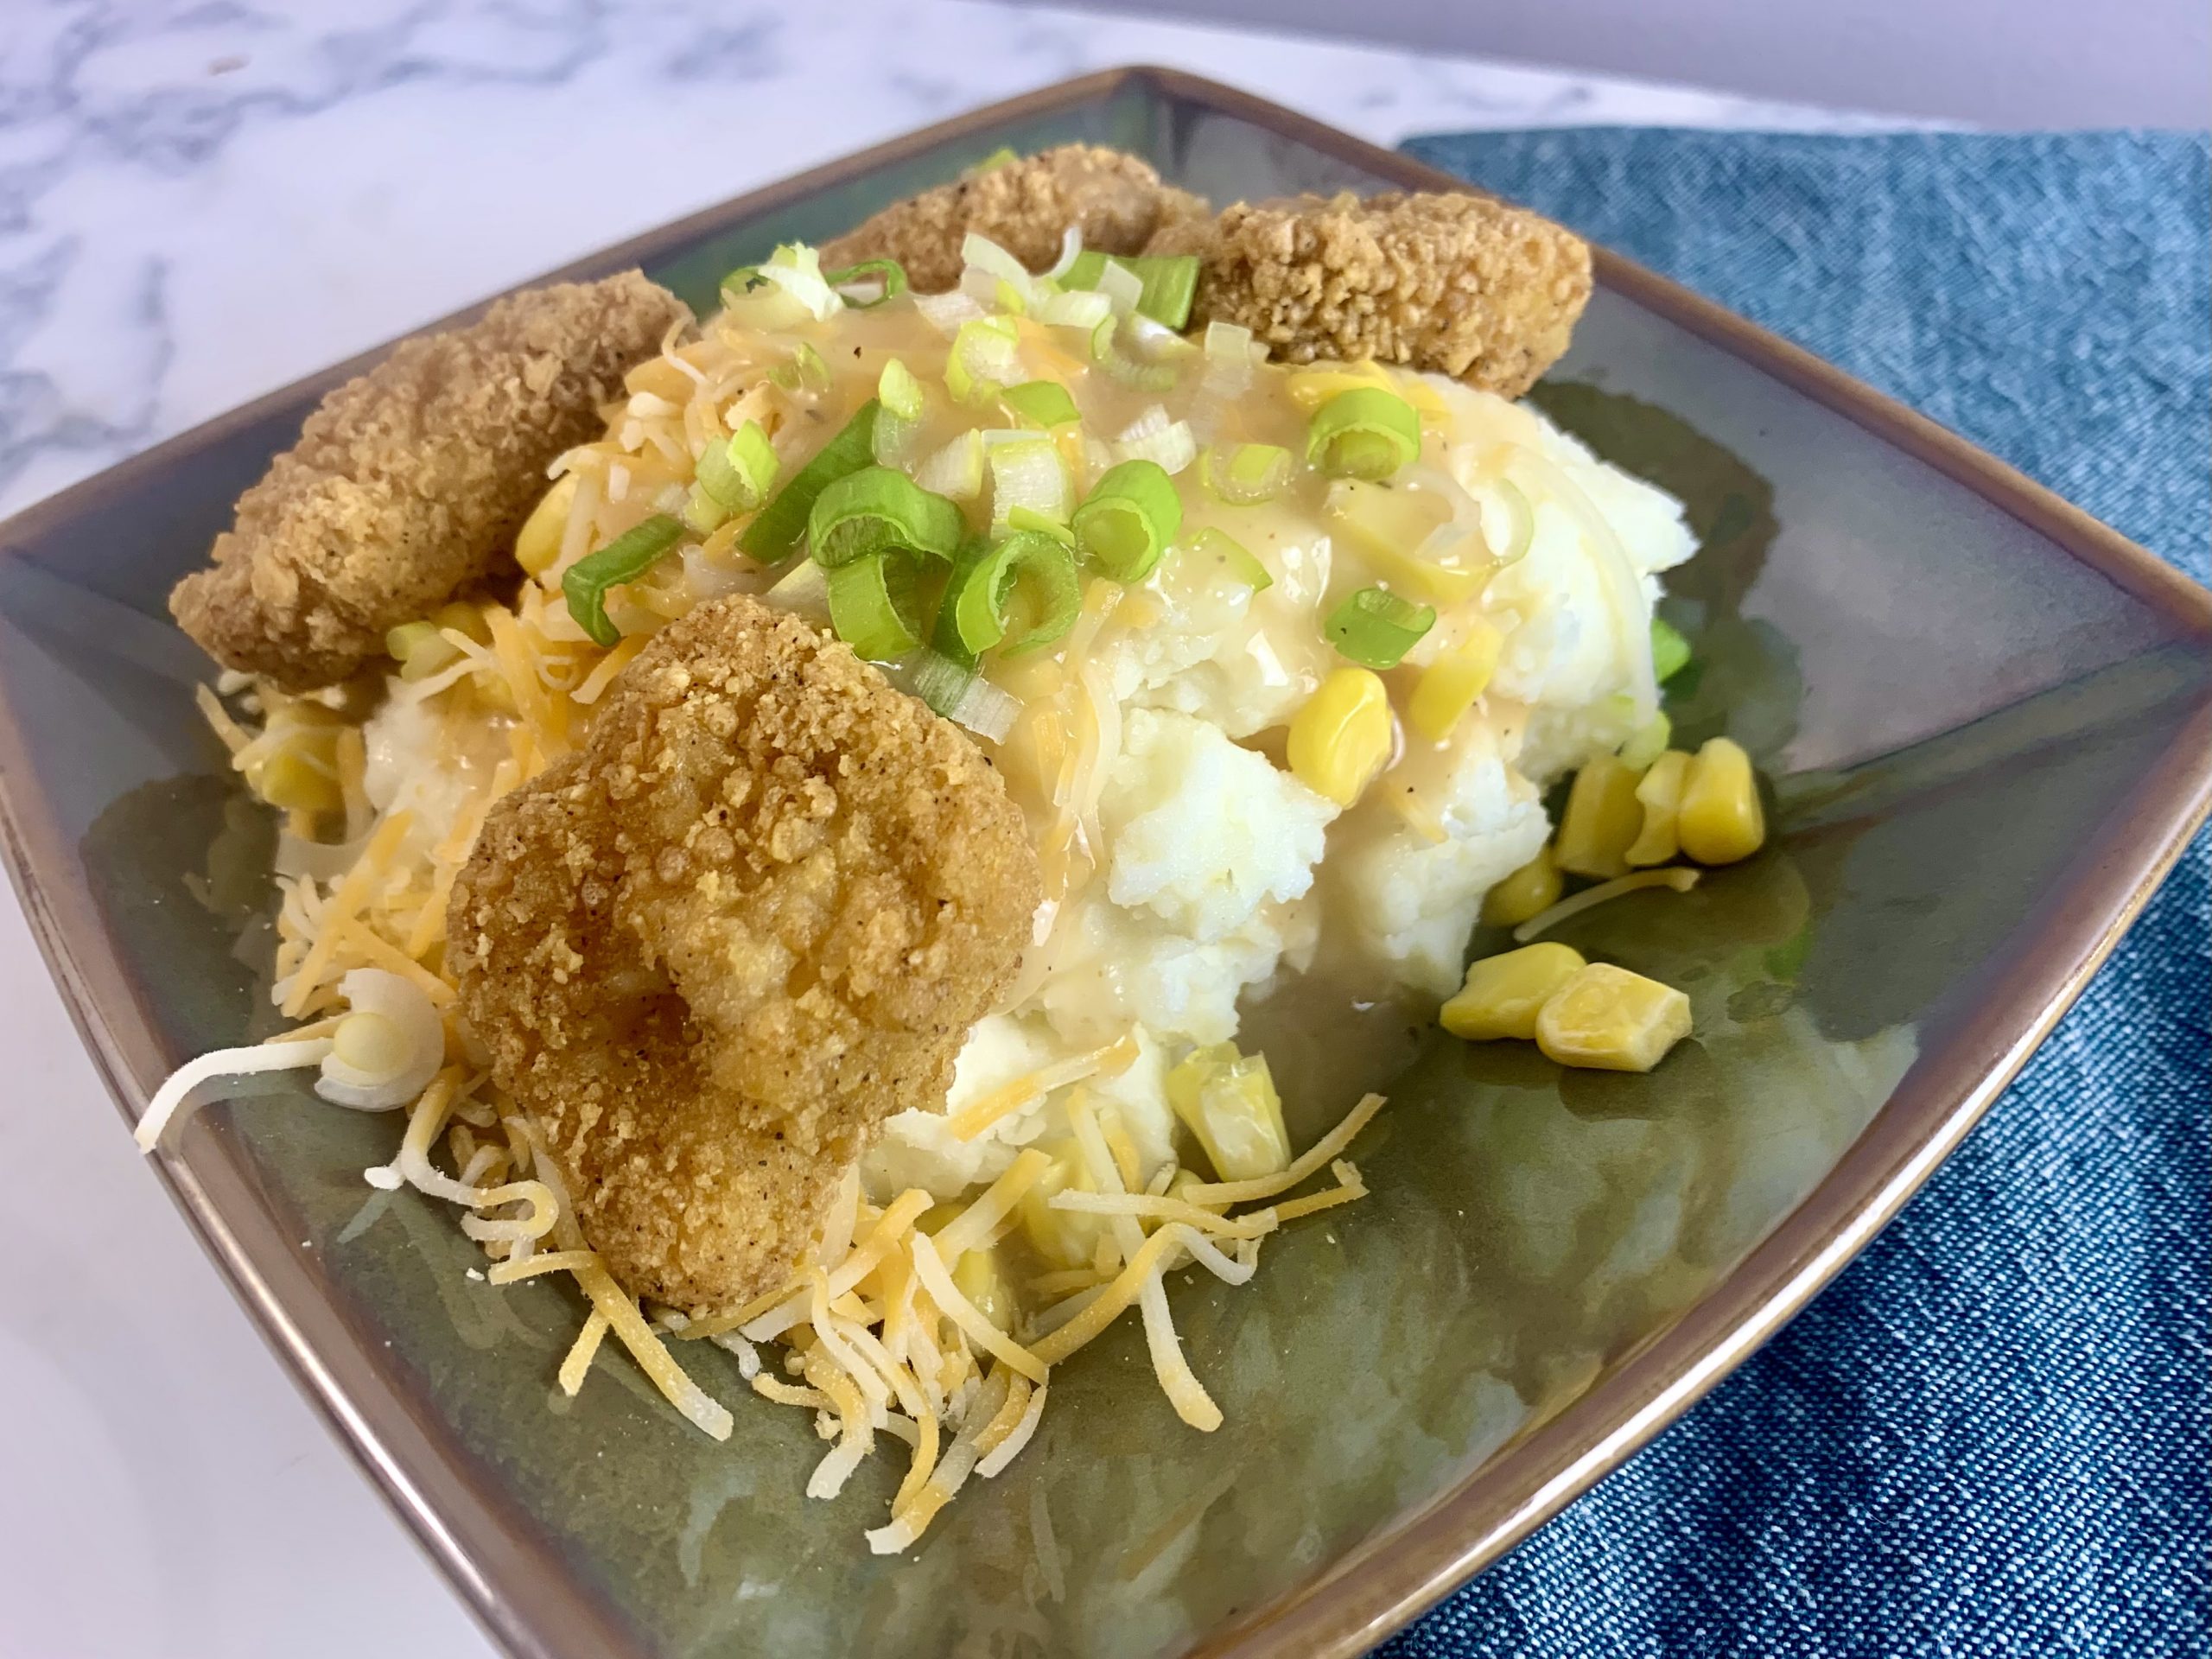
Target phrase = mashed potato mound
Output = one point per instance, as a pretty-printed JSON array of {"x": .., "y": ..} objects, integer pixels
[{"x": 1203, "y": 832}]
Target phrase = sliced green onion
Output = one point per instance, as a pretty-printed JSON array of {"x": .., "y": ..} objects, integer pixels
[
  {"x": 889, "y": 272},
  {"x": 1029, "y": 518},
  {"x": 770, "y": 537},
  {"x": 877, "y": 510},
  {"x": 941, "y": 681},
  {"x": 874, "y": 606},
  {"x": 1081, "y": 309},
  {"x": 1029, "y": 473},
  {"x": 991, "y": 163},
  {"x": 1376, "y": 628},
  {"x": 1169, "y": 282},
  {"x": 794, "y": 272},
  {"x": 804, "y": 591},
  {"x": 1127, "y": 519},
  {"x": 1153, "y": 436},
  {"x": 893, "y": 440},
  {"x": 974, "y": 616},
  {"x": 955, "y": 471},
  {"x": 625, "y": 558},
  {"x": 1219, "y": 547},
  {"x": 899, "y": 392},
  {"x": 983, "y": 358},
  {"x": 1670, "y": 652},
  {"x": 1363, "y": 432},
  {"x": 1153, "y": 367},
  {"x": 1520, "y": 535},
  {"x": 1041, "y": 402},
  {"x": 806, "y": 372},
  {"x": 737, "y": 472},
  {"x": 1246, "y": 474},
  {"x": 702, "y": 512}
]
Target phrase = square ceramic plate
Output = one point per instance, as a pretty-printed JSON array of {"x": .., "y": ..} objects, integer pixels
[{"x": 1990, "y": 727}]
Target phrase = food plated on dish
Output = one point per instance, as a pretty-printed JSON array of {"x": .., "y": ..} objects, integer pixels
[
  {"x": 1980, "y": 753},
  {"x": 817, "y": 813}
]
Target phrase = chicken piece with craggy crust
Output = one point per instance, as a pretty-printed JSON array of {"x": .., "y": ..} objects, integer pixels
[
  {"x": 758, "y": 913},
  {"x": 1117, "y": 200},
  {"x": 1459, "y": 285},
  {"x": 409, "y": 483}
]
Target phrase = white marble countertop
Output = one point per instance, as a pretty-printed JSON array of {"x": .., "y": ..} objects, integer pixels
[{"x": 198, "y": 203}]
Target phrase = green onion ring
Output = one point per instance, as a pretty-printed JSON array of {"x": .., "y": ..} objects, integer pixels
[
  {"x": 1128, "y": 518},
  {"x": 1376, "y": 628},
  {"x": 876, "y": 605},
  {"x": 625, "y": 558},
  {"x": 1363, "y": 432},
  {"x": 875, "y": 510},
  {"x": 973, "y": 616},
  {"x": 889, "y": 271}
]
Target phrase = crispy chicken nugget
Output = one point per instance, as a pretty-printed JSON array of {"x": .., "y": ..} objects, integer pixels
[
  {"x": 755, "y": 915},
  {"x": 1464, "y": 285},
  {"x": 1025, "y": 206},
  {"x": 409, "y": 483}
]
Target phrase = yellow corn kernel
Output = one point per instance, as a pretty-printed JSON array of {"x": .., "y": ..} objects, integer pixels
[
  {"x": 420, "y": 650},
  {"x": 1602, "y": 817},
  {"x": 1721, "y": 819},
  {"x": 1388, "y": 527},
  {"x": 661, "y": 378},
  {"x": 464, "y": 619},
  {"x": 1530, "y": 890},
  {"x": 1503, "y": 992},
  {"x": 1064, "y": 1238},
  {"x": 292, "y": 779},
  {"x": 1341, "y": 738},
  {"x": 537, "y": 545},
  {"x": 1449, "y": 685},
  {"x": 1610, "y": 1020},
  {"x": 1229, "y": 1101},
  {"x": 1180, "y": 1189},
  {"x": 976, "y": 1276},
  {"x": 1661, "y": 792}
]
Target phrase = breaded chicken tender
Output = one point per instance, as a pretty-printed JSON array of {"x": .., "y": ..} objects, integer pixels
[
  {"x": 1025, "y": 206},
  {"x": 755, "y": 915},
  {"x": 1460, "y": 285},
  {"x": 409, "y": 483}
]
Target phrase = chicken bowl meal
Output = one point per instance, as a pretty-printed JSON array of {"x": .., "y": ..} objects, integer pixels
[{"x": 876, "y": 828}]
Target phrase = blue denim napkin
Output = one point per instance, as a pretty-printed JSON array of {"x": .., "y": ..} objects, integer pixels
[{"x": 1990, "y": 1434}]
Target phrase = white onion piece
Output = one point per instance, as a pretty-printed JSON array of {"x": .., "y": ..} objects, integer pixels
[
  {"x": 956, "y": 470},
  {"x": 422, "y": 1051},
  {"x": 1171, "y": 443},
  {"x": 1122, "y": 288},
  {"x": 946, "y": 312},
  {"x": 1071, "y": 251},
  {"x": 1029, "y": 475},
  {"x": 1079, "y": 307}
]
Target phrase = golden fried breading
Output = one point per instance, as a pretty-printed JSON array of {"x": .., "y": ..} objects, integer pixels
[
  {"x": 712, "y": 952},
  {"x": 409, "y": 483},
  {"x": 1462, "y": 285},
  {"x": 1025, "y": 206}
]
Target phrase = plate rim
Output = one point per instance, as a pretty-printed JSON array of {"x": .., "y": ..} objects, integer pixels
[{"x": 1417, "y": 1559}]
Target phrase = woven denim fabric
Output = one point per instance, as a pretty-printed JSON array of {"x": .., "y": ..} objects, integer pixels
[{"x": 1991, "y": 1435}]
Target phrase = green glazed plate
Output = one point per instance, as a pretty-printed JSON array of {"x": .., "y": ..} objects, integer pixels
[{"x": 1988, "y": 720}]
